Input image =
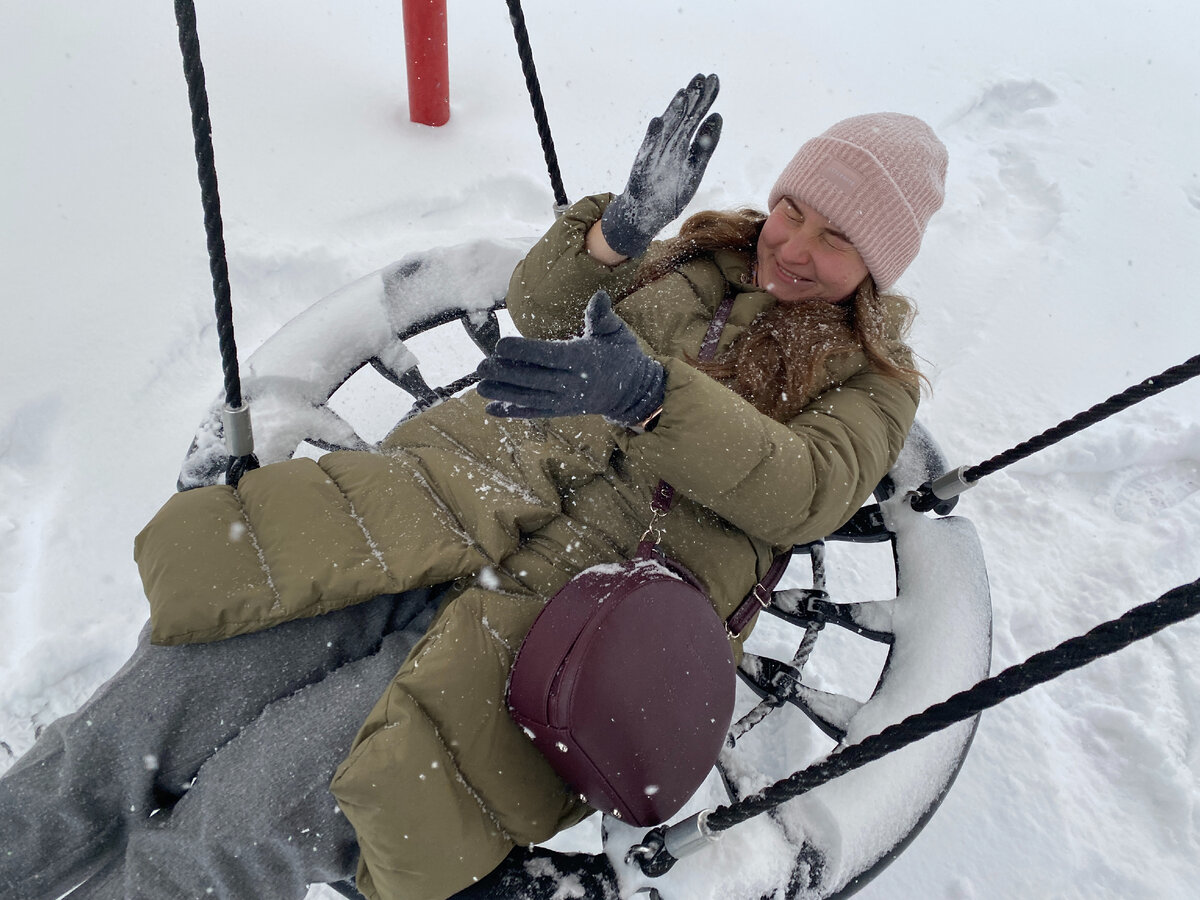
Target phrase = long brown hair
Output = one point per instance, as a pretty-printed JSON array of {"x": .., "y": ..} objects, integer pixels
[{"x": 781, "y": 362}]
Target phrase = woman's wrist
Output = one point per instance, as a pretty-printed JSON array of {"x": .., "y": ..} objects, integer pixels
[{"x": 598, "y": 248}]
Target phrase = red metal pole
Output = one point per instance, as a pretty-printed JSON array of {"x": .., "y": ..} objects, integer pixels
[{"x": 428, "y": 61}]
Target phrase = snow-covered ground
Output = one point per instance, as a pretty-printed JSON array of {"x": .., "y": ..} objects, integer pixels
[{"x": 1060, "y": 271}]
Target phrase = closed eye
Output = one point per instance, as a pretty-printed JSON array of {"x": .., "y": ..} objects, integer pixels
[
  {"x": 790, "y": 210},
  {"x": 838, "y": 241}
]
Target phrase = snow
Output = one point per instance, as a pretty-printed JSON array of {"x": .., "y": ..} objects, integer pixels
[{"x": 1058, "y": 273}]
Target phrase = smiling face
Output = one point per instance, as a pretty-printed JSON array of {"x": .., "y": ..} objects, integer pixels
[{"x": 802, "y": 256}]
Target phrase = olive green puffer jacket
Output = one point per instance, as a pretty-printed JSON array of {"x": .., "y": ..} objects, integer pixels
[{"x": 441, "y": 784}]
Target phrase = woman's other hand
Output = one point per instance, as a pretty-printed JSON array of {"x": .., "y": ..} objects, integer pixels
[{"x": 604, "y": 372}]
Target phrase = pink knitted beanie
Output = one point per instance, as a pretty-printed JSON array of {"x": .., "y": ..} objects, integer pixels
[{"x": 878, "y": 178}]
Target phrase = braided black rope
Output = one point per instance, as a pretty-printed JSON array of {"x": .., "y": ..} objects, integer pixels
[
  {"x": 193, "y": 71},
  {"x": 923, "y": 498},
  {"x": 1140, "y": 622},
  {"x": 535, "y": 98},
  {"x": 1114, "y": 404}
]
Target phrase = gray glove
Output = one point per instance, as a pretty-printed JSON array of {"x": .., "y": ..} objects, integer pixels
[
  {"x": 603, "y": 372},
  {"x": 667, "y": 169}
]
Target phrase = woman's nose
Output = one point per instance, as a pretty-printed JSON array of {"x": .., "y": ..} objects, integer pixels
[{"x": 797, "y": 248}]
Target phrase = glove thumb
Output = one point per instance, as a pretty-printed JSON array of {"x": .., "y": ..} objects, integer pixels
[{"x": 599, "y": 320}]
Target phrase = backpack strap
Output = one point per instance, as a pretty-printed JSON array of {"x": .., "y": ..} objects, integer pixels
[
  {"x": 708, "y": 347},
  {"x": 664, "y": 493}
]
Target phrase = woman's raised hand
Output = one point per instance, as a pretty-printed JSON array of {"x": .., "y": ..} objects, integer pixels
[
  {"x": 667, "y": 169},
  {"x": 604, "y": 372}
]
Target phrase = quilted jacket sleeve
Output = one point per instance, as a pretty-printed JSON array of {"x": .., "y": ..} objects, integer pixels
[
  {"x": 551, "y": 286},
  {"x": 783, "y": 484}
]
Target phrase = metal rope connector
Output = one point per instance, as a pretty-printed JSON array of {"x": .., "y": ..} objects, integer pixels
[
  {"x": 940, "y": 494},
  {"x": 239, "y": 436},
  {"x": 686, "y": 837},
  {"x": 239, "y": 442},
  {"x": 663, "y": 847}
]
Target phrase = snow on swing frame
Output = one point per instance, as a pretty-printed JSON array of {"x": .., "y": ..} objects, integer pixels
[{"x": 917, "y": 619}]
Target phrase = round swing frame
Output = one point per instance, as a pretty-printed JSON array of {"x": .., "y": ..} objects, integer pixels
[{"x": 381, "y": 314}]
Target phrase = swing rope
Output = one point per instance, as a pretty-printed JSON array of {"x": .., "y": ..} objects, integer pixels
[
  {"x": 1174, "y": 606},
  {"x": 238, "y": 437},
  {"x": 933, "y": 493},
  {"x": 539, "y": 107}
]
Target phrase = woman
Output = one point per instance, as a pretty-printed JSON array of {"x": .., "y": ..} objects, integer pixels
[{"x": 203, "y": 770}]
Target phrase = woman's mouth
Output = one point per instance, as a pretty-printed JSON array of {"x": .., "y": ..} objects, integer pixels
[{"x": 786, "y": 274}]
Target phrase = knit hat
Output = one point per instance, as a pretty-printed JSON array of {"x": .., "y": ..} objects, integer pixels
[{"x": 878, "y": 178}]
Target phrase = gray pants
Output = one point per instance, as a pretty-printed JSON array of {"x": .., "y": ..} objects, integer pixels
[{"x": 203, "y": 771}]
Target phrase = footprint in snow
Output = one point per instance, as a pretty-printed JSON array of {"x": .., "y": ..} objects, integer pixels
[
  {"x": 1192, "y": 192},
  {"x": 1146, "y": 495},
  {"x": 1009, "y": 122},
  {"x": 1008, "y": 105}
]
